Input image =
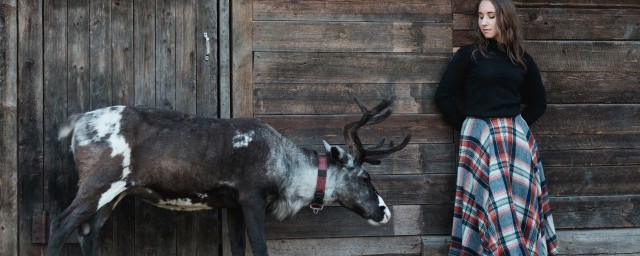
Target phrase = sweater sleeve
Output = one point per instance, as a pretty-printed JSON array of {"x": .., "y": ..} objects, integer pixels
[
  {"x": 453, "y": 79},
  {"x": 533, "y": 95}
]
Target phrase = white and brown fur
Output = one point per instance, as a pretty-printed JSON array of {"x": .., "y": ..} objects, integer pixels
[{"x": 185, "y": 162}]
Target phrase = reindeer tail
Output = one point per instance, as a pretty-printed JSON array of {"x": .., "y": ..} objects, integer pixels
[{"x": 68, "y": 126}]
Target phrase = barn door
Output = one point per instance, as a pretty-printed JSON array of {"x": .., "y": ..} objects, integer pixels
[{"x": 82, "y": 55}]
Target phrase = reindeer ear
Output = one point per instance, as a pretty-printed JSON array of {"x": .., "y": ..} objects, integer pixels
[
  {"x": 327, "y": 147},
  {"x": 337, "y": 154}
]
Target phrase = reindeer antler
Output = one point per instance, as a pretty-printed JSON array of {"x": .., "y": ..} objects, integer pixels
[{"x": 376, "y": 115}]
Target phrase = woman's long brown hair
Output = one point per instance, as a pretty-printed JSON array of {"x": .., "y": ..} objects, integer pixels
[{"x": 509, "y": 36}]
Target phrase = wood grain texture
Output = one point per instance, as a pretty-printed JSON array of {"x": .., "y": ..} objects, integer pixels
[
  {"x": 122, "y": 40},
  {"x": 566, "y": 24},
  {"x": 100, "y": 75},
  {"x": 186, "y": 37},
  {"x": 402, "y": 245},
  {"x": 242, "y": 59},
  {"x": 326, "y": 99},
  {"x": 208, "y": 96},
  {"x": 30, "y": 122},
  {"x": 353, "y": 10},
  {"x": 569, "y": 213},
  {"x": 78, "y": 54},
  {"x": 144, "y": 50},
  {"x": 9, "y": 204},
  {"x": 280, "y": 67},
  {"x": 310, "y": 130},
  {"x": 314, "y": 36},
  {"x": 588, "y": 119},
  {"x": 574, "y": 242},
  {"x": 603, "y": 87}
]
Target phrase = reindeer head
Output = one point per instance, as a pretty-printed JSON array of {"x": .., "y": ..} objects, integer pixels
[{"x": 353, "y": 183}]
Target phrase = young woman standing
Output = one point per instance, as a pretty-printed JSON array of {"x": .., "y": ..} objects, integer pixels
[{"x": 502, "y": 204}]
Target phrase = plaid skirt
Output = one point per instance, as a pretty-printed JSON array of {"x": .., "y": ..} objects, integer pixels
[{"x": 502, "y": 203}]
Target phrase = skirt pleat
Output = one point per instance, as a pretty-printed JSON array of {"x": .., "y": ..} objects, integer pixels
[{"x": 501, "y": 203}]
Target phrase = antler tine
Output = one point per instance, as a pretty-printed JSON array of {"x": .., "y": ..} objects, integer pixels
[
  {"x": 370, "y": 117},
  {"x": 373, "y": 156},
  {"x": 379, "y": 145}
]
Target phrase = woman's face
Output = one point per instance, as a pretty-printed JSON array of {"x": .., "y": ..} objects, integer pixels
[{"x": 487, "y": 19}]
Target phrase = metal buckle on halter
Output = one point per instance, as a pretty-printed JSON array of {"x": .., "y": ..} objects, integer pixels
[{"x": 316, "y": 207}]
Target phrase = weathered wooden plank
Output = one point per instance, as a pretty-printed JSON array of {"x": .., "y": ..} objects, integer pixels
[
  {"x": 587, "y": 119},
  {"x": 300, "y": 99},
  {"x": 207, "y": 70},
  {"x": 402, "y": 245},
  {"x": 117, "y": 236},
  {"x": 567, "y": 23},
  {"x": 242, "y": 58},
  {"x": 59, "y": 180},
  {"x": 436, "y": 219},
  {"x": 100, "y": 54},
  {"x": 604, "y": 87},
  {"x": 122, "y": 52},
  {"x": 587, "y": 165},
  {"x": 418, "y": 158},
  {"x": 145, "y": 95},
  {"x": 422, "y": 37},
  {"x": 583, "y": 56},
  {"x": 286, "y": 67},
  {"x": 596, "y": 211},
  {"x": 584, "y": 150},
  {"x": 30, "y": 121},
  {"x": 196, "y": 233},
  {"x": 572, "y": 242},
  {"x": 185, "y": 62},
  {"x": 579, "y": 3},
  {"x": 9, "y": 239},
  {"x": 79, "y": 77},
  {"x": 78, "y": 50},
  {"x": 566, "y": 142},
  {"x": 468, "y": 6},
  {"x": 586, "y": 56},
  {"x": 144, "y": 53},
  {"x": 353, "y": 10},
  {"x": 593, "y": 180},
  {"x": 165, "y": 54},
  {"x": 162, "y": 223},
  {"x": 224, "y": 65},
  {"x": 310, "y": 130},
  {"x": 413, "y": 159},
  {"x": 592, "y": 157},
  {"x": 604, "y": 242},
  {"x": 416, "y": 189}
]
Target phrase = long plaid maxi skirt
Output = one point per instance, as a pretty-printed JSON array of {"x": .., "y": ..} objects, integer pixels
[{"x": 502, "y": 204}]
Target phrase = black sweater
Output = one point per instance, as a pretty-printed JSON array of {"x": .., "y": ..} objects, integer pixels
[{"x": 493, "y": 86}]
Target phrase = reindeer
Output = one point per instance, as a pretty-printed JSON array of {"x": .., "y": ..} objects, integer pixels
[{"x": 188, "y": 163}]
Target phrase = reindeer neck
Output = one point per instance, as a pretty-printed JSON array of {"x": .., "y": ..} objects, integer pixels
[{"x": 300, "y": 185}]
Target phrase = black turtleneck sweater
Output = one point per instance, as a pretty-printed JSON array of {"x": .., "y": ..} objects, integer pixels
[{"x": 493, "y": 86}]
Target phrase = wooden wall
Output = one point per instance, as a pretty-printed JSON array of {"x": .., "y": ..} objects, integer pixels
[
  {"x": 309, "y": 56},
  {"x": 295, "y": 63},
  {"x": 65, "y": 56}
]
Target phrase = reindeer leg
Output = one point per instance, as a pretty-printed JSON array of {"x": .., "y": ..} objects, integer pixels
[
  {"x": 235, "y": 219},
  {"x": 254, "y": 211},
  {"x": 70, "y": 219},
  {"x": 88, "y": 232}
]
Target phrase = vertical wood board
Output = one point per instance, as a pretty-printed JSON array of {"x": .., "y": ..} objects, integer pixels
[{"x": 9, "y": 239}]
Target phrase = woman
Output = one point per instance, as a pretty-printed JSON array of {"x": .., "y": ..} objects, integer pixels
[{"x": 502, "y": 205}]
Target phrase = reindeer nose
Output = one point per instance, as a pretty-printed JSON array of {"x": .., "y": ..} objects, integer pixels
[{"x": 387, "y": 214}]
